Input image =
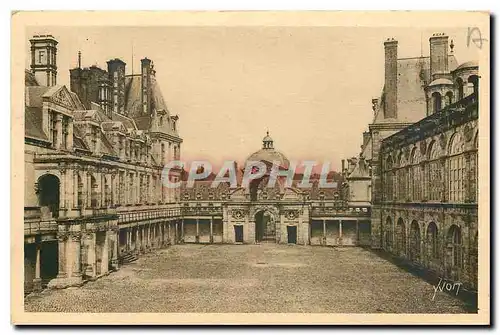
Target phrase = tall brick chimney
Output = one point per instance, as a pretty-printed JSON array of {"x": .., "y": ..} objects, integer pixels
[
  {"x": 439, "y": 55},
  {"x": 116, "y": 72},
  {"x": 391, "y": 78},
  {"x": 146, "y": 85}
]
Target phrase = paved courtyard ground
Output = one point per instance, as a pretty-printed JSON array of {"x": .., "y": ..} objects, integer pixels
[{"x": 253, "y": 278}]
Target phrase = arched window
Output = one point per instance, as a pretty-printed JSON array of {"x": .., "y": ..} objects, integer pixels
[
  {"x": 434, "y": 173},
  {"x": 456, "y": 169},
  {"x": 414, "y": 241},
  {"x": 48, "y": 194},
  {"x": 401, "y": 237},
  {"x": 474, "y": 171},
  {"x": 454, "y": 251},
  {"x": 389, "y": 191},
  {"x": 474, "y": 80},
  {"x": 449, "y": 98},
  {"x": 436, "y": 102},
  {"x": 460, "y": 87},
  {"x": 416, "y": 175},
  {"x": 432, "y": 241},
  {"x": 401, "y": 178}
]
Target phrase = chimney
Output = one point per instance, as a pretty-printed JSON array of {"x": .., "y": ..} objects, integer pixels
[
  {"x": 146, "y": 85},
  {"x": 44, "y": 60},
  {"x": 391, "y": 78},
  {"x": 116, "y": 73},
  {"x": 439, "y": 55}
]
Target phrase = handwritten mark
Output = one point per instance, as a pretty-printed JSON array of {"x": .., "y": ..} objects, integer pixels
[
  {"x": 443, "y": 286},
  {"x": 474, "y": 36}
]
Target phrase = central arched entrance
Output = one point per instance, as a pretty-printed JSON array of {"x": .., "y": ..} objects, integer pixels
[
  {"x": 265, "y": 227},
  {"x": 48, "y": 193}
]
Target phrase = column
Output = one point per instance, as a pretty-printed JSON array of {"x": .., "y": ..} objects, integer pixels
[
  {"x": 138, "y": 242},
  {"x": 357, "y": 231},
  {"x": 61, "y": 239},
  {"x": 129, "y": 239},
  {"x": 69, "y": 141},
  {"x": 197, "y": 230},
  {"x": 169, "y": 234},
  {"x": 182, "y": 230},
  {"x": 89, "y": 190},
  {"x": 76, "y": 256},
  {"x": 324, "y": 232},
  {"x": 340, "y": 232},
  {"x": 138, "y": 188},
  {"x": 75, "y": 188},
  {"x": 113, "y": 188},
  {"x": 211, "y": 230},
  {"x": 116, "y": 242},
  {"x": 105, "y": 254},
  {"x": 62, "y": 192},
  {"x": 91, "y": 270},
  {"x": 37, "y": 281}
]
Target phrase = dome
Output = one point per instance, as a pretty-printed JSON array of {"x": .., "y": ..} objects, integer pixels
[
  {"x": 269, "y": 154},
  {"x": 441, "y": 81},
  {"x": 467, "y": 65}
]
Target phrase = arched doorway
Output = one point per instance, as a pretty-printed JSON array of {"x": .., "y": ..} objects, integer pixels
[
  {"x": 414, "y": 241},
  {"x": 265, "y": 226},
  {"x": 401, "y": 237},
  {"x": 48, "y": 193}
]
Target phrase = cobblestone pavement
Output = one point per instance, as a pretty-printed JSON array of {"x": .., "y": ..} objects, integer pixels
[{"x": 253, "y": 278}]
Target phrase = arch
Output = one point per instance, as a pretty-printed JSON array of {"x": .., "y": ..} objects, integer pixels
[
  {"x": 389, "y": 163},
  {"x": 460, "y": 86},
  {"x": 48, "y": 186},
  {"x": 433, "y": 151},
  {"x": 265, "y": 225},
  {"x": 414, "y": 249},
  {"x": 415, "y": 179},
  {"x": 456, "y": 169},
  {"x": 474, "y": 80},
  {"x": 401, "y": 237},
  {"x": 436, "y": 102},
  {"x": 454, "y": 251},
  {"x": 388, "y": 233},
  {"x": 432, "y": 241},
  {"x": 449, "y": 98}
]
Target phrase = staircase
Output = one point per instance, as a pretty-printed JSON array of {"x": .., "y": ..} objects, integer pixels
[{"x": 126, "y": 258}]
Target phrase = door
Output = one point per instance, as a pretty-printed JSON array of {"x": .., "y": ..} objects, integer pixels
[
  {"x": 238, "y": 234},
  {"x": 292, "y": 234}
]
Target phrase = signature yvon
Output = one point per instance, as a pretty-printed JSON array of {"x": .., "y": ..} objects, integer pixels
[{"x": 446, "y": 286}]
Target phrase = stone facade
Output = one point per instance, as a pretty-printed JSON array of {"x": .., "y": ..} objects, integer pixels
[{"x": 420, "y": 154}]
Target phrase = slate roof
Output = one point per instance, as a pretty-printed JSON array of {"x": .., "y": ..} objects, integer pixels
[
  {"x": 413, "y": 76},
  {"x": 33, "y": 123},
  {"x": 29, "y": 78}
]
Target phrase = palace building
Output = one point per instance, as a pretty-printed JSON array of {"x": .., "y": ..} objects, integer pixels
[
  {"x": 93, "y": 161},
  {"x": 422, "y": 155}
]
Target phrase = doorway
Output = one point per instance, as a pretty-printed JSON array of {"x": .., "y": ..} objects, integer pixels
[
  {"x": 292, "y": 234},
  {"x": 238, "y": 234},
  {"x": 265, "y": 227}
]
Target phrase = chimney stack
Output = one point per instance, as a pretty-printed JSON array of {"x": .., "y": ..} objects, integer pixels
[
  {"x": 439, "y": 55},
  {"x": 44, "y": 59},
  {"x": 146, "y": 86},
  {"x": 116, "y": 72},
  {"x": 391, "y": 78}
]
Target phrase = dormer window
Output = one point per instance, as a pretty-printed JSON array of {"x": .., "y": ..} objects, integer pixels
[
  {"x": 174, "y": 125},
  {"x": 65, "y": 123},
  {"x": 161, "y": 121},
  {"x": 53, "y": 127}
]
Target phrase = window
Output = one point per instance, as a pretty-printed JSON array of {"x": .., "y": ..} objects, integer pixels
[
  {"x": 53, "y": 128},
  {"x": 436, "y": 102},
  {"x": 449, "y": 98},
  {"x": 460, "y": 87},
  {"x": 65, "y": 123},
  {"x": 474, "y": 172},
  {"x": 416, "y": 175},
  {"x": 434, "y": 173},
  {"x": 389, "y": 191},
  {"x": 457, "y": 173}
]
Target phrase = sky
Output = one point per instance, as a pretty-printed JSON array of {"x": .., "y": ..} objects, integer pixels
[{"x": 311, "y": 87}]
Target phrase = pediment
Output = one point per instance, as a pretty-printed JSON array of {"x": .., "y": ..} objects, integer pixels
[{"x": 61, "y": 96}]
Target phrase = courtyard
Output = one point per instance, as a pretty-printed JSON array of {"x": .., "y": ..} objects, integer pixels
[{"x": 266, "y": 278}]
